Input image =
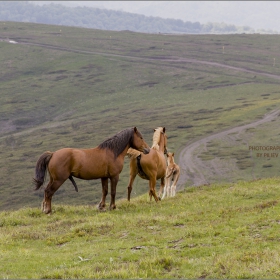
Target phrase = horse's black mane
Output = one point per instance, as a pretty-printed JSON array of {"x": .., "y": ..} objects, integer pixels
[{"x": 118, "y": 142}]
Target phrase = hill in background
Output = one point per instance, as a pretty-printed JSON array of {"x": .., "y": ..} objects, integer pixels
[
  {"x": 108, "y": 19},
  {"x": 258, "y": 16}
]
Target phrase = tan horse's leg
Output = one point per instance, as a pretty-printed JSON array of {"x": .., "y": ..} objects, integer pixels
[
  {"x": 133, "y": 173},
  {"x": 102, "y": 204},
  {"x": 162, "y": 184},
  {"x": 166, "y": 188},
  {"x": 51, "y": 188},
  {"x": 173, "y": 187},
  {"x": 152, "y": 184},
  {"x": 114, "y": 182}
]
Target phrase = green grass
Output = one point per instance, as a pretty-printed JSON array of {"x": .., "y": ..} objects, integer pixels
[
  {"x": 84, "y": 85},
  {"x": 218, "y": 231}
]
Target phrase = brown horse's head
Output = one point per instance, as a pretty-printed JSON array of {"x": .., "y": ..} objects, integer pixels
[{"x": 138, "y": 142}]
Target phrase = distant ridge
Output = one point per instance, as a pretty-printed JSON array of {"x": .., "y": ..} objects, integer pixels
[{"x": 57, "y": 14}]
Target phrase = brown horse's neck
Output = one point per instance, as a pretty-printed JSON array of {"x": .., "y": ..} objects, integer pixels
[{"x": 124, "y": 152}]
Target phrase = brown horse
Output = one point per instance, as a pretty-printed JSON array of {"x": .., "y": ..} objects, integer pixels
[
  {"x": 104, "y": 161},
  {"x": 150, "y": 166}
]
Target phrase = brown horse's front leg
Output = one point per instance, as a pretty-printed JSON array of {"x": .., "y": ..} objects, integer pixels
[
  {"x": 102, "y": 204},
  {"x": 114, "y": 182}
]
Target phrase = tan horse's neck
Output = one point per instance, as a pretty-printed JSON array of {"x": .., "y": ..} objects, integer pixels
[
  {"x": 158, "y": 140},
  {"x": 161, "y": 143}
]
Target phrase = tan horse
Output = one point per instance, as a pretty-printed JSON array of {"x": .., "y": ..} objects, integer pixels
[
  {"x": 150, "y": 166},
  {"x": 172, "y": 174},
  {"x": 104, "y": 161}
]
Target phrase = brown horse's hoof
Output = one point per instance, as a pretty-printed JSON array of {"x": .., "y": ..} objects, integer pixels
[
  {"x": 113, "y": 207},
  {"x": 44, "y": 208},
  {"x": 47, "y": 211},
  {"x": 159, "y": 198},
  {"x": 101, "y": 208}
]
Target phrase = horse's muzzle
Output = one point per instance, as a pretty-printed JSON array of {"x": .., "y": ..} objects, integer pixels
[{"x": 146, "y": 151}]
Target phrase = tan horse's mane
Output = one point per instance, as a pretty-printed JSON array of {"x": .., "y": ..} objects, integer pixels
[{"x": 156, "y": 138}]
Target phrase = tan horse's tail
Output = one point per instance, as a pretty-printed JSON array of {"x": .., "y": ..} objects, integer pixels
[
  {"x": 132, "y": 153},
  {"x": 40, "y": 170}
]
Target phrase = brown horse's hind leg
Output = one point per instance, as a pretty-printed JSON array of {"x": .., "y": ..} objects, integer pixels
[
  {"x": 51, "y": 188},
  {"x": 102, "y": 204}
]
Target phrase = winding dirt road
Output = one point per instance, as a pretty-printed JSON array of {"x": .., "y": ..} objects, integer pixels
[{"x": 192, "y": 166}]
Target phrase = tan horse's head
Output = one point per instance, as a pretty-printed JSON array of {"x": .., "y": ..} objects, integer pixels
[
  {"x": 139, "y": 143},
  {"x": 170, "y": 158}
]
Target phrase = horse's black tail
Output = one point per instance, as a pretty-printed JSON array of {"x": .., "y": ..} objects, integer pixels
[
  {"x": 40, "y": 170},
  {"x": 73, "y": 182},
  {"x": 140, "y": 169}
]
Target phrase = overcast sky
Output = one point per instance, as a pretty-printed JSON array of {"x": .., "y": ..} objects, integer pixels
[{"x": 256, "y": 14}]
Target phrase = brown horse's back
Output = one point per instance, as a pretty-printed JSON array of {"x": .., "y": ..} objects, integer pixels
[{"x": 85, "y": 164}]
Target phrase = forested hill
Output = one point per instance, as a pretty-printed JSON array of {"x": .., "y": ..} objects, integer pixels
[{"x": 22, "y": 11}]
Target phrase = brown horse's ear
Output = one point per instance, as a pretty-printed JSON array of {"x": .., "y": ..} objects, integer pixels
[
  {"x": 154, "y": 130},
  {"x": 173, "y": 154},
  {"x": 135, "y": 129},
  {"x": 163, "y": 130}
]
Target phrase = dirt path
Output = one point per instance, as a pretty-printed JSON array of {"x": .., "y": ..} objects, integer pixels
[
  {"x": 166, "y": 59},
  {"x": 220, "y": 65},
  {"x": 192, "y": 166}
]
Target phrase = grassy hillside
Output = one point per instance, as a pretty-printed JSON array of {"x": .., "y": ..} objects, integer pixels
[
  {"x": 220, "y": 231},
  {"x": 73, "y": 87}
]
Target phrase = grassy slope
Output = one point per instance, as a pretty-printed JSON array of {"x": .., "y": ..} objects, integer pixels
[
  {"x": 221, "y": 231},
  {"x": 53, "y": 98}
]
